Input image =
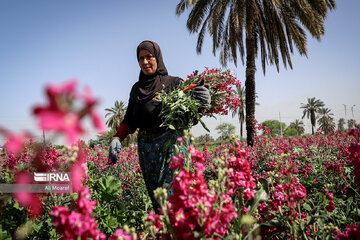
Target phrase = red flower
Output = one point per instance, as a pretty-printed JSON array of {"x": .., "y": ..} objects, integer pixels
[
  {"x": 330, "y": 207},
  {"x": 352, "y": 232}
]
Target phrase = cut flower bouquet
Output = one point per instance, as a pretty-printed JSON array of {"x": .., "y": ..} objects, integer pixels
[{"x": 180, "y": 109}]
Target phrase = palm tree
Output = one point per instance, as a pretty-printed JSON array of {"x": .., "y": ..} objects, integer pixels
[
  {"x": 341, "y": 125},
  {"x": 351, "y": 123},
  {"x": 326, "y": 120},
  {"x": 310, "y": 110},
  {"x": 116, "y": 114},
  {"x": 298, "y": 125},
  {"x": 240, "y": 111},
  {"x": 270, "y": 27}
]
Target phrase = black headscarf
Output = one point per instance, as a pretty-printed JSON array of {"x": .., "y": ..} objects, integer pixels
[{"x": 147, "y": 86}]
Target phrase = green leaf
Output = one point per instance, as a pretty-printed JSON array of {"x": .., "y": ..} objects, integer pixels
[
  {"x": 306, "y": 207},
  {"x": 109, "y": 187},
  {"x": 265, "y": 184},
  {"x": 260, "y": 196},
  {"x": 204, "y": 126}
]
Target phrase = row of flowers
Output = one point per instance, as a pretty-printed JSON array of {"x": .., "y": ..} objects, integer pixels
[{"x": 281, "y": 188}]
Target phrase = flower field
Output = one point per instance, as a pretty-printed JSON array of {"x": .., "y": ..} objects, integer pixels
[
  {"x": 282, "y": 188},
  {"x": 294, "y": 188}
]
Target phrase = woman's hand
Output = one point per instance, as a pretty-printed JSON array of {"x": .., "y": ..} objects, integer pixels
[
  {"x": 202, "y": 93},
  {"x": 115, "y": 147}
]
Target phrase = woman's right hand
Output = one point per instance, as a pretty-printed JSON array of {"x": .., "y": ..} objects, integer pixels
[{"x": 115, "y": 147}]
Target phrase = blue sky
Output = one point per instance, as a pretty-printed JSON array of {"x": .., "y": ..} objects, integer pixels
[{"x": 95, "y": 41}]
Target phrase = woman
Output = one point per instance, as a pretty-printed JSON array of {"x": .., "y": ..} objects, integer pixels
[{"x": 155, "y": 143}]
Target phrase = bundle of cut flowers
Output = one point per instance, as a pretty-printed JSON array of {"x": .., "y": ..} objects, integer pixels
[{"x": 180, "y": 110}]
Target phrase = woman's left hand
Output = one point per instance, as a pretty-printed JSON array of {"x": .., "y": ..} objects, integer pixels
[{"x": 202, "y": 93}]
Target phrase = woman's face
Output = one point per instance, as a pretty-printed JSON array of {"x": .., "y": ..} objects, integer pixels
[{"x": 147, "y": 62}]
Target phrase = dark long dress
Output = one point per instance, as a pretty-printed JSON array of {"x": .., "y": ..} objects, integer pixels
[{"x": 155, "y": 144}]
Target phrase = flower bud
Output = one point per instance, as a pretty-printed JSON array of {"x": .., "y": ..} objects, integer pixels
[{"x": 247, "y": 220}]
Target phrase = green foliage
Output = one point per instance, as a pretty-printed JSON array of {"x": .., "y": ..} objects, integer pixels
[
  {"x": 275, "y": 126},
  {"x": 311, "y": 108},
  {"x": 351, "y": 123},
  {"x": 225, "y": 130},
  {"x": 180, "y": 110},
  {"x": 104, "y": 138},
  {"x": 11, "y": 215},
  {"x": 110, "y": 214},
  {"x": 118, "y": 202},
  {"x": 341, "y": 125},
  {"x": 290, "y": 132},
  {"x": 116, "y": 114},
  {"x": 326, "y": 120},
  {"x": 298, "y": 125},
  {"x": 204, "y": 139}
]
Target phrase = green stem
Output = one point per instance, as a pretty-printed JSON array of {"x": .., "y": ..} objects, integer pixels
[{"x": 241, "y": 203}]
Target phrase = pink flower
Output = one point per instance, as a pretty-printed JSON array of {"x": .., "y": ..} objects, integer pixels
[
  {"x": 77, "y": 175},
  {"x": 120, "y": 234},
  {"x": 154, "y": 219},
  {"x": 89, "y": 97},
  {"x": 241, "y": 176},
  {"x": 177, "y": 162},
  {"x": 300, "y": 192},
  {"x": 80, "y": 224},
  {"x": 61, "y": 122},
  {"x": 25, "y": 198},
  {"x": 16, "y": 142},
  {"x": 196, "y": 156},
  {"x": 97, "y": 121},
  {"x": 84, "y": 205},
  {"x": 68, "y": 87},
  {"x": 59, "y": 114},
  {"x": 192, "y": 203},
  {"x": 329, "y": 195}
]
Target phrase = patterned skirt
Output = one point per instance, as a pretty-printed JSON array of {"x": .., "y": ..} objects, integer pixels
[{"x": 155, "y": 151}]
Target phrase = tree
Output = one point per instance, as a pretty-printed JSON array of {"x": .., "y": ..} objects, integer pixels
[
  {"x": 289, "y": 131},
  {"x": 116, "y": 114},
  {"x": 310, "y": 109},
  {"x": 341, "y": 125},
  {"x": 240, "y": 111},
  {"x": 104, "y": 138},
  {"x": 275, "y": 126},
  {"x": 203, "y": 139},
  {"x": 351, "y": 123},
  {"x": 225, "y": 130},
  {"x": 326, "y": 120},
  {"x": 270, "y": 27},
  {"x": 298, "y": 125}
]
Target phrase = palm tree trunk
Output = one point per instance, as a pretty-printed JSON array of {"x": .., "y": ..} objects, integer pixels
[
  {"x": 241, "y": 118},
  {"x": 313, "y": 122},
  {"x": 241, "y": 127},
  {"x": 250, "y": 73}
]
